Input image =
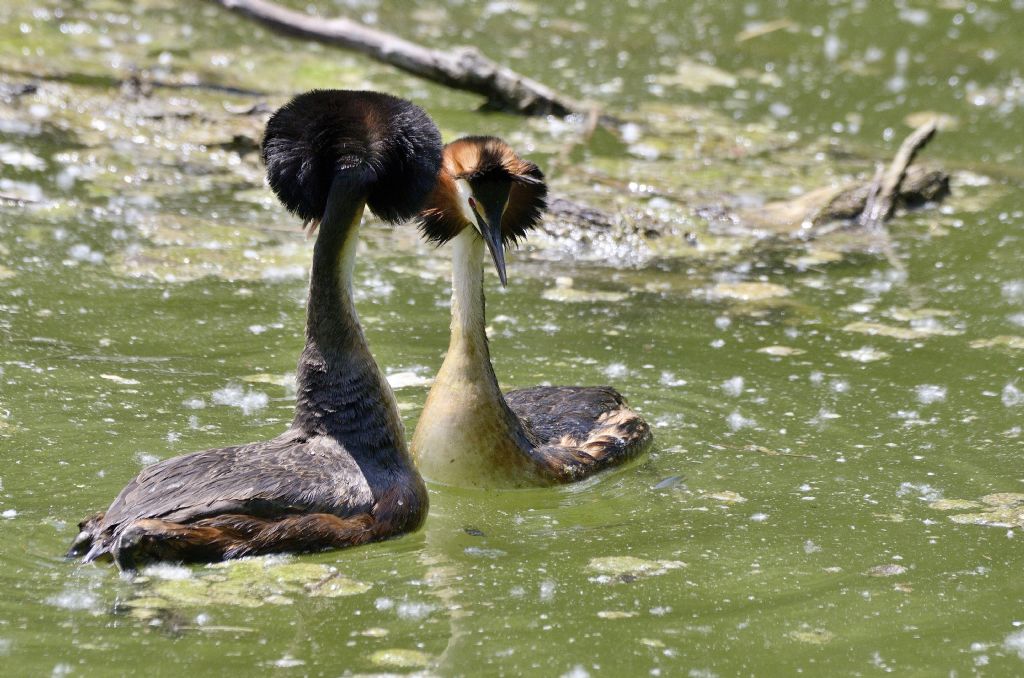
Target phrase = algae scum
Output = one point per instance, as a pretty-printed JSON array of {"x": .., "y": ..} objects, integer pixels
[{"x": 836, "y": 486}]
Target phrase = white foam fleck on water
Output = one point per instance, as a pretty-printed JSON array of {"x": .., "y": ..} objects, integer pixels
[
  {"x": 376, "y": 287},
  {"x": 288, "y": 661},
  {"x": 1017, "y": 319},
  {"x": 780, "y": 110},
  {"x": 19, "y": 157},
  {"x": 383, "y": 604},
  {"x": 1013, "y": 290},
  {"x": 547, "y": 590},
  {"x": 484, "y": 553},
  {"x": 865, "y": 354},
  {"x": 82, "y": 252},
  {"x": 616, "y": 371},
  {"x": 407, "y": 379},
  {"x": 722, "y": 322},
  {"x": 145, "y": 458},
  {"x": 414, "y": 611},
  {"x": 71, "y": 599},
  {"x": 824, "y": 415},
  {"x": 733, "y": 387},
  {"x": 930, "y": 393},
  {"x": 194, "y": 403},
  {"x": 279, "y": 273},
  {"x": 249, "y": 401},
  {"x": 759, "y": 517},
  {"x": 21, "y": 190},
  {"x": 833, "y": 46},
  {"x": 810, "y": 547},
  {"x": 1015, "y": 643},
  {"x": 924, "y": 491},
  {"x": 257, "y": 329},
  {"x": 61, "y": 669},
  {"x": 737, "y": 421},
  {"x": 1012, "y": 396},
  {"x": 9, "y": 514},
  {"x": 630, "y": 132},
  {"x": 917, "y": 17},
  {"x": 669, "y": 379},
  {"x": 702, "y": 673},
  {"x": 576, "y": 672},
  {"x": 168, "y": 572}
]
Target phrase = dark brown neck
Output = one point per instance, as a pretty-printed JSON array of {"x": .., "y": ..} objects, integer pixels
[{"x": 341, "y": 393}]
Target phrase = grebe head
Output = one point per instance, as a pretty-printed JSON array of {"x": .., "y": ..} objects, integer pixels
[
  {"x": 486, "y": 186},
  {"x": 389, "y": 148}
]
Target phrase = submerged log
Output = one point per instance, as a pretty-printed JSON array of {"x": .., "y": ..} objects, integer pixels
[
  {"x": 867, "y": 204},
  {"x": 813, "y": 214},
  {"x": 463, "y": 68},
  {"x": 884, "y": 191},
  {"x": 841, "y": 207}
]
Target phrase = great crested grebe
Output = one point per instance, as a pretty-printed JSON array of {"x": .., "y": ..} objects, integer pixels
[
  {"x": 341, "y": 474},
  {"x": 469, "y": 433}
]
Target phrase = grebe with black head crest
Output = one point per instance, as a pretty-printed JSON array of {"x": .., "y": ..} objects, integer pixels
[{"x": 341, "y": 474}]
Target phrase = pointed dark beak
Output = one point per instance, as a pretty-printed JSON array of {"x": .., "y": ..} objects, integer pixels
[{"x": 492, "y": 236}]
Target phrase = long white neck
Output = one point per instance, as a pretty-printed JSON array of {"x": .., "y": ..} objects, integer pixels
[
  {"x": 467, "y": 435},
  {"x": 468, "y": 315}
]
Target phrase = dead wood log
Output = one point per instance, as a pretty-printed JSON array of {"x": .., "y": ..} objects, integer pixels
[
  {"x": 868, "y": 204},
  {"x": 884, "y": 190},
  {"x": 463, "y": 68}
]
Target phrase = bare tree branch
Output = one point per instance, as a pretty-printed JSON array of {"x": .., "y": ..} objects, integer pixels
[
  {"x": 464, "y": 68},
  {"x": 886, "y": 187}
]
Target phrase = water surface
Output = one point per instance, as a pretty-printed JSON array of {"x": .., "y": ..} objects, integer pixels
[{"x": 835, "y": 487}]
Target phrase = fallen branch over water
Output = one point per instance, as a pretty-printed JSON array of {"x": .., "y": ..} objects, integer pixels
[
  {"x": 868, "y": 204},
  {"x": 463, "y": 68},
  {"x": 882, "y": 198},
  {"x": 865, "y": 204}
]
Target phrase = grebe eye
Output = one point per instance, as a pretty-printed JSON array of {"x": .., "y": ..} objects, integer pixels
[{"x": 472, "y": 203}]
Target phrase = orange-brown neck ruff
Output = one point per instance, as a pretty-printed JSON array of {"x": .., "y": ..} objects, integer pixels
[
  {"x": 478, "y": 160},
  {"x": 467, "y": 436}
]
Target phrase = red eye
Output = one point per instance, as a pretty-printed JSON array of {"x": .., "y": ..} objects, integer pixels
[{"x": 472, "y": 203}]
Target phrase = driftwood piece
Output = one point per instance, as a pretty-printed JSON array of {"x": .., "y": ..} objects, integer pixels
[
  {"x": 816, "y": 209},
  {"x": 813, "y": 214},
  {"x": 882, "y": 198},
  {"x": 463, "y": 68},
  {"x": 864, "y": 203}
]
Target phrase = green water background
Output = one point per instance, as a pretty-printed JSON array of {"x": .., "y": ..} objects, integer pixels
[{"x": 151, "y": 303}]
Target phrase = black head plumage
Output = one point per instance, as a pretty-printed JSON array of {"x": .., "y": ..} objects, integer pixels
[{"x": 389, "y": 146}]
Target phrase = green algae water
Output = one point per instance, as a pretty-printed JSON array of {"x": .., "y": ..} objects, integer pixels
[{"x": 836, "y": 486}]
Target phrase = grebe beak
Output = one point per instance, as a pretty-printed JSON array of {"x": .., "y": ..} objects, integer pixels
[{"x": 492, "y": 236}]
